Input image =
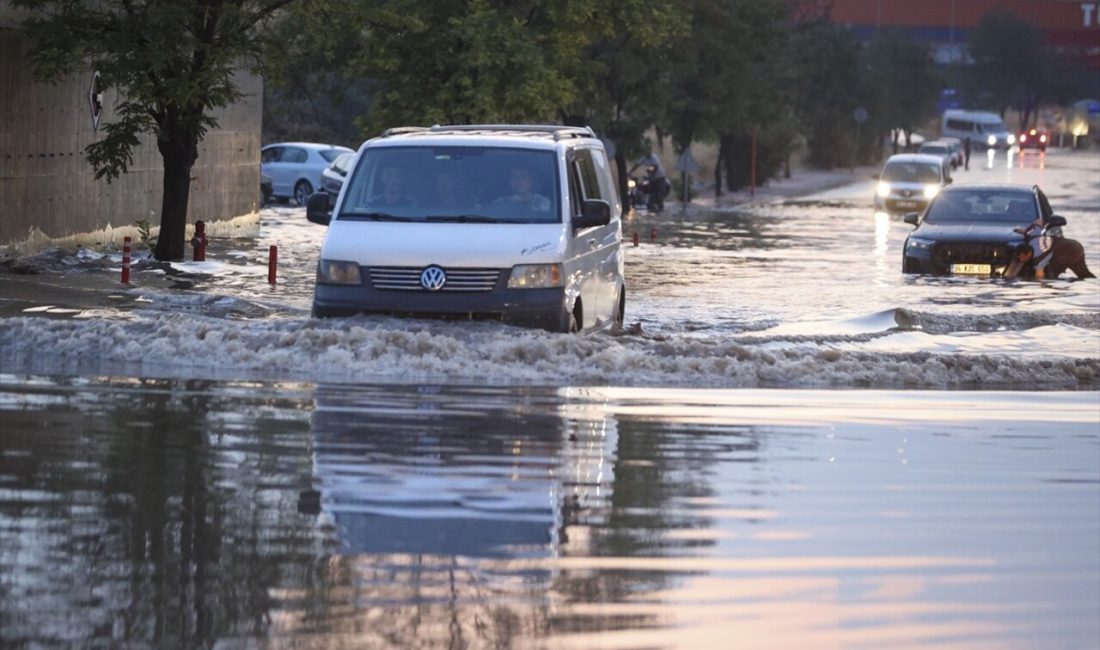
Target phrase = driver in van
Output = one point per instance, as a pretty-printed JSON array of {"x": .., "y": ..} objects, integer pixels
[
  {"x": 393, "y": 189},
  {"x": 521, "y": 191}
]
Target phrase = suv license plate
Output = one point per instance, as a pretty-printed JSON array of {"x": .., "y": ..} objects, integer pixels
[{"x": 971, "y": 269}]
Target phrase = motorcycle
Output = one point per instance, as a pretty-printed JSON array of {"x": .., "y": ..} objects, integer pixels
[{"x": 648, "y": 191}]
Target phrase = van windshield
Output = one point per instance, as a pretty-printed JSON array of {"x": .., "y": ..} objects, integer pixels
[
  {"x": 992, "y": 127},
  {"x": 911, "y": 172},
  {"x": 459, "y": 184}
]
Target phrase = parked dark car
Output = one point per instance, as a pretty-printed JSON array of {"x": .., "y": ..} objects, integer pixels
[
  {"x": 1033, "y": 139},
  {"x": 266, "y": 189},
  {"x": 332, "y": 177},
  {"x": 968, "y": 229}
]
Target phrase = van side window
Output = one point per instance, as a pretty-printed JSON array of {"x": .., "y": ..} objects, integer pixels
[
  {"x": 960, "y": 125},
  {"x": 575, "y": 195},
  {"x": 586, "y": 172}
]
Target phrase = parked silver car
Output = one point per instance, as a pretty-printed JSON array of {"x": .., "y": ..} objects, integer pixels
[{"x": 295, "y": 167}]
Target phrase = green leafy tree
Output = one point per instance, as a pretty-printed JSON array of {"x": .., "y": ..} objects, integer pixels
[
  {"x": 903, "y": 85},
  {"x": 828, "y": 90},
  {"x": 623, "y": 72},
  {"x": 736, "y": 87},
  {"x": 173, "y": 64},
  {"x": 469, "y": 61},
  {"x": 1008, "y": 59}
]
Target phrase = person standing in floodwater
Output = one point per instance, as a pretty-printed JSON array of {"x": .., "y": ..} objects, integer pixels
[{"x": 966, "y": 153}]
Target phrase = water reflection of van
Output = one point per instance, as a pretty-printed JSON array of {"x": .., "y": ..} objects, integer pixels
[
  {"x": 438, "y": 471},
  {"x": 984, "y": 129}
]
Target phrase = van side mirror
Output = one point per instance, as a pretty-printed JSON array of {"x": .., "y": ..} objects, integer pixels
[
  {"x": 318, "y": 209},
  {"x": 594, "y": 212},
  {"x": 1056, "y": 221},
  {"x": 911, "y": 218}
]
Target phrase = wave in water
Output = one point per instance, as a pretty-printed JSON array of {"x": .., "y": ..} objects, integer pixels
[{"x": 384, "y": 349}]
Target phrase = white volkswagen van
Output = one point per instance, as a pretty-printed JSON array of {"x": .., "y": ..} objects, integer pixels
[
  {"x": 983, "y": 128},
  {"x": 518, "y": 223}
]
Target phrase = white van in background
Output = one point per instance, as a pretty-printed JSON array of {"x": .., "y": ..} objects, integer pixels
[{"x": 984, "y": 129}]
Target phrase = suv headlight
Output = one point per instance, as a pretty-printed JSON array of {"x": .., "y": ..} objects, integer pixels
[
  {"x": 916, "y": 243},
  {"x": 535, "y": 276},
  {"x": 338, "y": 272},
  {"x": 883, "y": 189},
  {"x": 930, "y": 191}
]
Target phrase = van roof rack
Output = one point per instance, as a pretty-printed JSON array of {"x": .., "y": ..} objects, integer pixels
[
  {"x": 398, "y": 130},
  {"x": 558, "y": 131}
]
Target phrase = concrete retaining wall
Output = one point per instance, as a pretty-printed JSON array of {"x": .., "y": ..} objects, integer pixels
[{"x": 48, "y": 191}]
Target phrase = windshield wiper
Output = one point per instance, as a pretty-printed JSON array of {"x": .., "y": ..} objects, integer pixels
[
  {"x": 463, "y": 218},
  {"x": 373, "y": 216}
]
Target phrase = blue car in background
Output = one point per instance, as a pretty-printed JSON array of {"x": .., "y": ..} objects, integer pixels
[{"x": 295, "y": 167}]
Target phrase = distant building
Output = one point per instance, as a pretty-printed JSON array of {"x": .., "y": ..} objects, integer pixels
[{"x": 1070, "y": 26}]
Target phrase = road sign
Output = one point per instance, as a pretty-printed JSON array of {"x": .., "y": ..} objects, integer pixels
[
  {"x": 686, "y": 163},
  {"x": 95, "y": 101}
]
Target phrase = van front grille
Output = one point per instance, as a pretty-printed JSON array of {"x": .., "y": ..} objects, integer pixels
[{"x": 397, "y": 278}]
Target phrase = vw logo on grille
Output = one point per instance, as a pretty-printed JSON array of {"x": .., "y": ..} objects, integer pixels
[
  {"x": 433, "y": 278},
  {"x": 907, "y": 193}
]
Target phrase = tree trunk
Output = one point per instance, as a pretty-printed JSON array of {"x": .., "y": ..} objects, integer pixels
[
  {"x": 718, "y": 167},
  {"x": 179, "y": 150},
  {"x": 730, "y": 146},
  {"x": 624, "y": 189}
]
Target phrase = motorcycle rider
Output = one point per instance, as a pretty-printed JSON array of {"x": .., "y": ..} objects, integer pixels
[{"x": 655, "y": 184}]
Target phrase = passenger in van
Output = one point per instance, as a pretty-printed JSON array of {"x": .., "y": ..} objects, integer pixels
[
  {"x": 521, "y": 192},
  {"x": 446, "y": 191},
  {"x": 393, "y": 190}
]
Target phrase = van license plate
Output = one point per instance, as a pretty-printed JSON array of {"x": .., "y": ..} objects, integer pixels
[
  {"x": 971, "y": 269},
  {"x": 907, "y": 204}
]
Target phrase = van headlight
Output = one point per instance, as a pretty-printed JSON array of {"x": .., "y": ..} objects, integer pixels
[
  {"x": 930, "y": 191},
  {"x": 883, "y": 189},
  {"x": 991, "y": 141},
  {"x": 535, "y": 276},
  {"x": 338, "y": 272},
  {"x": 1011, "y": 139}
]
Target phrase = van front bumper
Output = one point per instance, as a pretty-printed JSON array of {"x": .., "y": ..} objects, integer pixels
[{"x": 539, "y": 308}]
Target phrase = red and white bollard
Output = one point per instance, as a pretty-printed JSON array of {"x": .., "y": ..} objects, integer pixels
[
  {"x": 199, "y": 242},
  {"x": 635, "y": 237},
  {"x": 125, "y": 260},
  {"x": 272, "y": 263}
]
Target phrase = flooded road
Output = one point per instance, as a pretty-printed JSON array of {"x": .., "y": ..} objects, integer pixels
[
  {"x": 795, "y": 446},
  {"x": 806, "y": 293},
  {"x": 178, "y": 514}
]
